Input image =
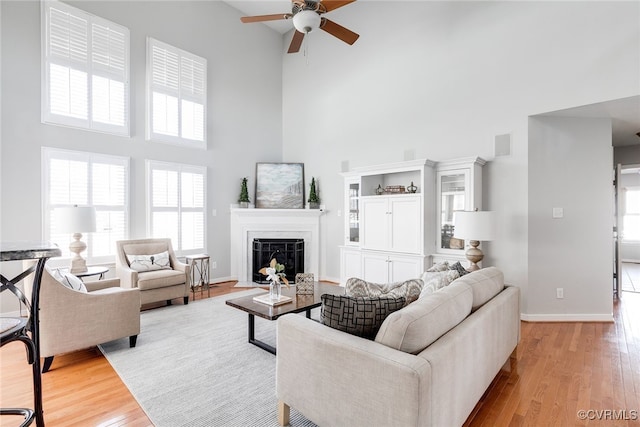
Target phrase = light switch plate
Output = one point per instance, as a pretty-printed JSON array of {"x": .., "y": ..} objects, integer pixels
[{"x": 558, "y": 212}]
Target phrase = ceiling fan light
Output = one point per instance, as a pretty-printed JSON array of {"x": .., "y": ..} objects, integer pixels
[{"x": 306, "y": 21}]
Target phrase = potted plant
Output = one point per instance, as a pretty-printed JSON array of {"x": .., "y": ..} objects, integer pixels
[
  {"x": 244, "y": 194},
  {"x": 314, "y": 200}
]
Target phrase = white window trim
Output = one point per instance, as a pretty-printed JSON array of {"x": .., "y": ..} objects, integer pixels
[
  {"x": 48, "y": 154},
  {"x": 624, "y": 213},
  {"x": 170, "y": 139},
  {"x": 47, "y": 116},
  {"x": 178, "y": 167}
]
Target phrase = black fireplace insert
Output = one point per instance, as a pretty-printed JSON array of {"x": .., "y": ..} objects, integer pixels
[{"x": 288, "y": 252}]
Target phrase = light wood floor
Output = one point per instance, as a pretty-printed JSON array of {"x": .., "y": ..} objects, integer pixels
[{"x": 561, "y": 368}]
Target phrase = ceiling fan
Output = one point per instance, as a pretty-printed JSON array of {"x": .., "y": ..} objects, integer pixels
[{"x": 307, "y": 16}]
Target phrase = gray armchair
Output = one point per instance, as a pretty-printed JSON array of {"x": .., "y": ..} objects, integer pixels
[
  {"x": 72, "y": 320},
  {"x": 171, "y": 279}
]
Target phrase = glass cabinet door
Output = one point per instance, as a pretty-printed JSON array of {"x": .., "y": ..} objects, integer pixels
[
  {"x": 353, "y": 221},
  {"x": 453, "y": 189}
]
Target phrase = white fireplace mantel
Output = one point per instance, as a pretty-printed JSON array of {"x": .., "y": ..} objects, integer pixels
[{"x": 249, "y": 224}]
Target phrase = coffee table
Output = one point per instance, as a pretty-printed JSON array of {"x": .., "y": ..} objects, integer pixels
[{"x": 298, "y": 304}]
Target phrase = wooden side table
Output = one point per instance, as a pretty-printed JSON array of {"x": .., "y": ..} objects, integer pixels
[{"x": 199, "y": 272}]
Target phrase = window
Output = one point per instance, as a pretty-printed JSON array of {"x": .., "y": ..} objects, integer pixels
[
  {"x": 85, "y": 70},
  {"x": 176, "y": 195},
  {"x": 631, "y": 214},
  {"x": 176, "y": 95},
  {"x": 87, "y": 179}
]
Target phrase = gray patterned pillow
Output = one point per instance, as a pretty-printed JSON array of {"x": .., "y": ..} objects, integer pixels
[
  {"x": 409, "y": 289},
  {"x": 441, "y": 266},
  {"x": 357, "y": 315},
  {"x": 434, "y": 281},
  {"x": 459, "y": 268}
]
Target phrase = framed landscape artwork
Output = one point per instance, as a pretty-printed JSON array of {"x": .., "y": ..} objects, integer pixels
[{"x": 280, "y": 185}]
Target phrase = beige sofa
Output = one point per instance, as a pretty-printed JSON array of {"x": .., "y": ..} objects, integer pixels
[
  {"x": 429, "y": 364},
  {"x": 156, "y": 285}
]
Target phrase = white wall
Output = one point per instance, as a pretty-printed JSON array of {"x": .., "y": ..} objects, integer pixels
[
  {"x": 244, "y": 104},
  {"x": 570, "y": 168},
  {"x": 627, "y": 155},
  {"x": 443, "y": 79}
]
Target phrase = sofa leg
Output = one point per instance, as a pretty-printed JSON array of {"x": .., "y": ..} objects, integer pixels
[
  {"x": 169, "y": 302},
  {"x": 511, "y": 364},
  {"x": 283, "y": 413},
  {"x": 186, "y": 300},
  {"x": 47, "y": 364},
  {"x": 132, "y": 341}
]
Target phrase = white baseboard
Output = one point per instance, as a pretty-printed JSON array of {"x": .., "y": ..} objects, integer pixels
[{"x": 566, "y": 317}]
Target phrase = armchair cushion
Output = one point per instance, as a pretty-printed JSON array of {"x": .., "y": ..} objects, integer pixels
[
  {"x": 159, "y": 261},
  {"x": 160, "y": 279}
]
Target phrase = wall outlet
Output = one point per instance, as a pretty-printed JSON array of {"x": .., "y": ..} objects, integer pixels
[
  {"x": 560, "y": 293},
  {"x": 214, "y": 264}
]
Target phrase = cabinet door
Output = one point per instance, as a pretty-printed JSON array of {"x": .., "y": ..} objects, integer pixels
[
  {"x": 352, "y": 211},
  {"x": 401, "y": 269},
  {"x": 351, "y": 265},
  {"x": 375, "y": 267},
  {"x": 375, "y": 223},
  {"x": 454, "y": 195},
  {"x": 406, "y": 225}
]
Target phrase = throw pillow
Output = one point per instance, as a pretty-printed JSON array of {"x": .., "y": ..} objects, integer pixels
[
  {"x": 409, "y": 289},
  {"x": 152, "y": 262},
  {"x": 434, "y": 281},
  {"x": 459, "y": 268},
  {"x": 359, "y": 316},
  {"x": 68, "y": 280},
  {"x": 441, "y": 266}
]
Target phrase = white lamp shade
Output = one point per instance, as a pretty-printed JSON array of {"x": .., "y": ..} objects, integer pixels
[
  {"x": 76, "y": 219},
  {"x": 476, "y": 225},
  {"x": 306, "y": 21}
]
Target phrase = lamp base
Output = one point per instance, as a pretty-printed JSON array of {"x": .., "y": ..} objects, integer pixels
[
  {"x": 78, "y": 264},
  {"x": 474, "y": 255}
]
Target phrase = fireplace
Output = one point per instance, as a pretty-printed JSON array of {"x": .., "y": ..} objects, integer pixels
[{"x": 288, "y": 252}]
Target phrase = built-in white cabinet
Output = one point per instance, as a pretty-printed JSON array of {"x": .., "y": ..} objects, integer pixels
[
  {"x": 395, "y": 223},
  {"x": 458, "y": 188},
  {"x": 385, "y": 267}
]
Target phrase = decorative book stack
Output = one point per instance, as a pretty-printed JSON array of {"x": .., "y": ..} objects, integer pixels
[{"x": 266, "y": 299}]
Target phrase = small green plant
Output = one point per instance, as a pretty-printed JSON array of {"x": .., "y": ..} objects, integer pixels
[
  {"x": 244, "y": 192},
  {"x": 313, "y": 195}
]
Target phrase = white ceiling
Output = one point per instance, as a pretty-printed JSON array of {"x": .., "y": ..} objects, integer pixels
[{"x": 625, "y": 113}]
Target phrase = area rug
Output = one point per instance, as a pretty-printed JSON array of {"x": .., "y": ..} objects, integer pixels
[{"x": 193, "y": 366}]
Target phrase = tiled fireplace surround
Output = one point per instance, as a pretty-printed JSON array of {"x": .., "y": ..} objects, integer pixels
[{"x": 249, "y": 224}]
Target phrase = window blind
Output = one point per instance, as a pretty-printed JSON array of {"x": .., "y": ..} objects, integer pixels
[
  {"x": 85, "y": 70},
  {"x": 86, "y": 179},
  {"x": 176, "y": 203},
  {"x": 177, "y": 95}
]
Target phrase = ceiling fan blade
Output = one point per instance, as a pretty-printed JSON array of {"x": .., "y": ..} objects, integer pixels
[
  {"x": 296, "y": 42},
  {"x": 330, "y": 5},
  {"x": 262, "y": 18},
  {"x": 339, "y": 31}
]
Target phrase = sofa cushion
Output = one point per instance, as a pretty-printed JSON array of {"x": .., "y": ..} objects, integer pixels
[
  {"x": 361, "y": 316},
  {"x": 159, "y": 261},
  {"x": 485, "y": 284},
  {"x": 409, "y": 289},
  {"x": 416, "y": 326},
  {"x": 160, "y": 279},
  {"x": 434, "y": 281}
]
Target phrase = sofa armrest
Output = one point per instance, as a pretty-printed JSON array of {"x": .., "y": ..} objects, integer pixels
[
  {"x": 334, "y": 378},
  {"x": 96, "y": 285},
  {"x": 186, "y": 268},
  {"x": 128, "y": 277}
]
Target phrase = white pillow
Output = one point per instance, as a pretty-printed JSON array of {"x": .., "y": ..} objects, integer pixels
[
  {"x": 441, "y": 266},
  {"x": 69, "y": 280},
  {"x": 152, "y": 262}
]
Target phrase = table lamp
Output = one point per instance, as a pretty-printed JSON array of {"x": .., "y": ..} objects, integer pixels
[
  {"x": 474, "y": 227},
  {"x": 76, "y": 220}
]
